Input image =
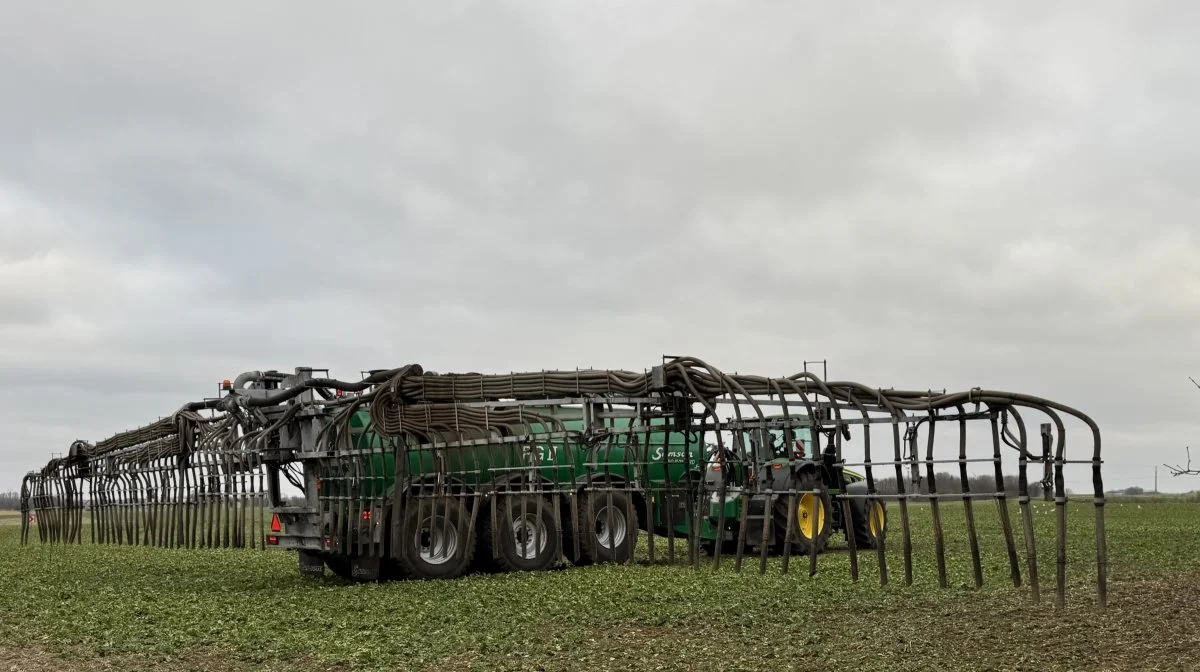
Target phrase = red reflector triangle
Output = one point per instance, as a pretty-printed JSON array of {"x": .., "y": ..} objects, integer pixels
[{"x": 275, "y": 526}]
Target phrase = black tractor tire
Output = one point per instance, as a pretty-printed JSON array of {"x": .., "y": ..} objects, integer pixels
[
  {"x": 812, "y": 521},
  {"x": 596, "y": 543},
  {"x": 436, "y": 542},
  {"x": 528, "y": 542}
]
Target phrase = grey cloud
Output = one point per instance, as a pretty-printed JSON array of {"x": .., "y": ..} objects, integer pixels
[
  {"x": 22, "y": 311},
  {"x": 968, "y": 197}
]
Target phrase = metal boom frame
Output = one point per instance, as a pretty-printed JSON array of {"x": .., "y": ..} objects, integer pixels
[{"x": 393, "y": 463}]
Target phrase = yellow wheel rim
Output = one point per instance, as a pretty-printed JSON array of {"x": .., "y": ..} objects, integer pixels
[
  {"x": 877, "y": 520},
  {"x": 810, "y": 515}
]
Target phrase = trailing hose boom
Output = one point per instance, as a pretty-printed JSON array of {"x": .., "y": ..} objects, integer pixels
[{"x": 409, "y": 473}]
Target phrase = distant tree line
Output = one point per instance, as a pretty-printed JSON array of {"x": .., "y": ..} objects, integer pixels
[
  {"x": 951, "y": 484},
  {"x": 1132, "y": 491}
]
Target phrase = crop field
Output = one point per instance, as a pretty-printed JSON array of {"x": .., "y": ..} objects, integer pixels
[{"x": 98, "y": 607}]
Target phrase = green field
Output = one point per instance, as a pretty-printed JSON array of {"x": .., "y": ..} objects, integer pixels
[{"x": 90, "y": 607}]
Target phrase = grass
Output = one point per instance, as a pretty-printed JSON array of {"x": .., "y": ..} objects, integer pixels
[{"x": 94, "y": 607}]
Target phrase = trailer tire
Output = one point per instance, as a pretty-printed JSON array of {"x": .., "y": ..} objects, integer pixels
[
  {"x": 527, "y": 542},
  {"x": 435, "y": 540},
  {"x": 597, "y": 542}
]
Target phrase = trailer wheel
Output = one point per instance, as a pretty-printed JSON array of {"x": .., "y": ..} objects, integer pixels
[
  {"x": 527, "y": 541},
  {"x": 435, "y": 541},
  {"x": 598, "y": 541}
]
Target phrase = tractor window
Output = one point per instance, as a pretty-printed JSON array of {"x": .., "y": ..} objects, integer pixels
[
  {"x": 801, "y": 444},
  {"x": 776, "y": 445}
]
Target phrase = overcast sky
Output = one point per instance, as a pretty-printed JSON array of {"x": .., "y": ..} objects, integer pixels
[{"x": 994, "y": 197}]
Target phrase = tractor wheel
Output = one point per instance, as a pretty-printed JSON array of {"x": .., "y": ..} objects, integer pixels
[
  {"x": 608, "y": 534},
  {"x": 811, "y": 521},
  {"x": 527, "y": 541},
  {"x": 436, "y": 543},
  {"x": 870, "y": 522}
]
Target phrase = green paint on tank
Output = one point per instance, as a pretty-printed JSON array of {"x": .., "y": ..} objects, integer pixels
[
  {"x": 563, "y": 460},
  {"x": 568, "y": 462}
]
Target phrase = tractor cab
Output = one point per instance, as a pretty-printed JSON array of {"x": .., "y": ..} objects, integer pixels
[{"x": 798, "y": 446}]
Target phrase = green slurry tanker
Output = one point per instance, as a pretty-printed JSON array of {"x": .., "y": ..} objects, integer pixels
[
  {"x": 417, "y": 474},
  {"x": 551, "y": 491}
]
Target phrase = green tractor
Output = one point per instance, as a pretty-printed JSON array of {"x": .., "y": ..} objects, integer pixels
[{"x": 760, "y": 469}]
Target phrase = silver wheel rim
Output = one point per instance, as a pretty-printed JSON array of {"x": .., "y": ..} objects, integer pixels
[
  {"x": 529, "y": 536},
  {"x": 606, "y": 537},
  {"x": 434, "y": 544}
]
